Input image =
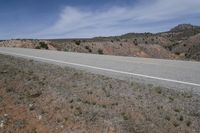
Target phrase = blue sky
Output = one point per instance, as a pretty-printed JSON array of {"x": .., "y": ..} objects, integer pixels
[{"x": 90, "y": 18}]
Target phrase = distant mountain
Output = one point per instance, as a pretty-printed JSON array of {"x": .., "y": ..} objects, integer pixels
[{"x": 184, "y": 27}]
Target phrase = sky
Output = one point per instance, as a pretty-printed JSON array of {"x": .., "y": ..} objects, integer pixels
[{"x": 45, "y": 19}]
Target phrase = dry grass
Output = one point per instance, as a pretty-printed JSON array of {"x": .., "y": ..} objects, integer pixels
[{"x": 43, "y": 98}]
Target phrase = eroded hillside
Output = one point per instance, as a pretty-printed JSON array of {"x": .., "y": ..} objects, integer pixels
[{"x": 181, "y": 42}]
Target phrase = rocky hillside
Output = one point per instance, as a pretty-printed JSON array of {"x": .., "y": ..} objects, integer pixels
[
  {"x": 27, "y": 43},
  {"x": 185, "y": 27},
  {"x": 181, "y": 42}
]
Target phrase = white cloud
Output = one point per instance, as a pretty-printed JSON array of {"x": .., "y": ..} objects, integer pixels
[{"x": 74, "y": 22}]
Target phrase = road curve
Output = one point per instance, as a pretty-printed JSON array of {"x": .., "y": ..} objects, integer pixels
[{"x": 166, "y": 73}]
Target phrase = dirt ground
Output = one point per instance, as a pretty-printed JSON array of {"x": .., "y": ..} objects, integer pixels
[{"x": 41, "y": 98}]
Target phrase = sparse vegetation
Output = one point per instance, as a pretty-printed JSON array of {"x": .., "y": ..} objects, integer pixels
[
  {"x": 104, "y": 106},
  {"x": 171, "y": 99},
  {"x": 181, "y": 118},
  {"x": 98, "y": 98},
  {"x": 77, "y": 42},
  {"x": 169, "y": 47},
  {"x": 187, "y": 94},
  {"x": 177, "y": 110},
  {"x": 89, "y": 49},
  {"x": 118, "y": 39},
  {"x": 37, "y": 47},
  {"x": 124, "y": 115},
  {"x": 42, "y": 45},
  {"x": 167, "y": 118},
  {"x": 177, "y": 53},
  {"x": 176, "y": 124},
  {"x": 188, "y": 123},
  {"x": 135, "y": 42},
  {"x": 66, "y": 50},
  {"x": 158, "y": 90}
]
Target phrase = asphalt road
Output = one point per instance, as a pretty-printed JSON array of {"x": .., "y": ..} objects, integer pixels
[{"x": 175, "y": 74}]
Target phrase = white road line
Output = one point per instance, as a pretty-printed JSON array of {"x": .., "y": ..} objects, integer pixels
[
  {"x": 138, "y": 62},
  {"x": 103, "y": 69}
]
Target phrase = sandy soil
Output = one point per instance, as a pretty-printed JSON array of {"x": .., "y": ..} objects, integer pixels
[{"x": 41, "y": 98}]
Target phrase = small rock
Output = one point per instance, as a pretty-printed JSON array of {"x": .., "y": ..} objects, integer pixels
[
  {"x": 40, "y": 117},
  {"x": 111, "y": 130},
  {"x": 106, "y": 130},
  {"x": 35, "y": 94},
  {"x": 20, "y": 124},
  {"x": 31, "y": 107},
  {"x": 2, "y": 124},
  {"x": 5, "y": 71}
]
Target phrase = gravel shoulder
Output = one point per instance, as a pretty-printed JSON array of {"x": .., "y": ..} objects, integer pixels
[{"x": 41, "y": 98}]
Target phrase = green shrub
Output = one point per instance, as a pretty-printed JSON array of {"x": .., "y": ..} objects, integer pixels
[
  {"x": 66, "y": 50},
  {"x": 88, "y": 48},
  {"x": 135, "y": 42},
  {"x": 188, "y": 123},
  {"x": 177, "y": 110},
  {"x": 37, "y": 47},
  {"x": 43, "y": 45},
  {"x": 118, "y": 39},
  {"x": 78, "y": 42},
  {"x": 125, "y": 116},
  {"x": 177, "y": 53},
  {"x": 167, "y": 118},
  {"x": 175, "y": 124},
  {"x": 100, "y": 51},
  {"x": 181, "y": 118},
  {"x": 158, "y": 90}
]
